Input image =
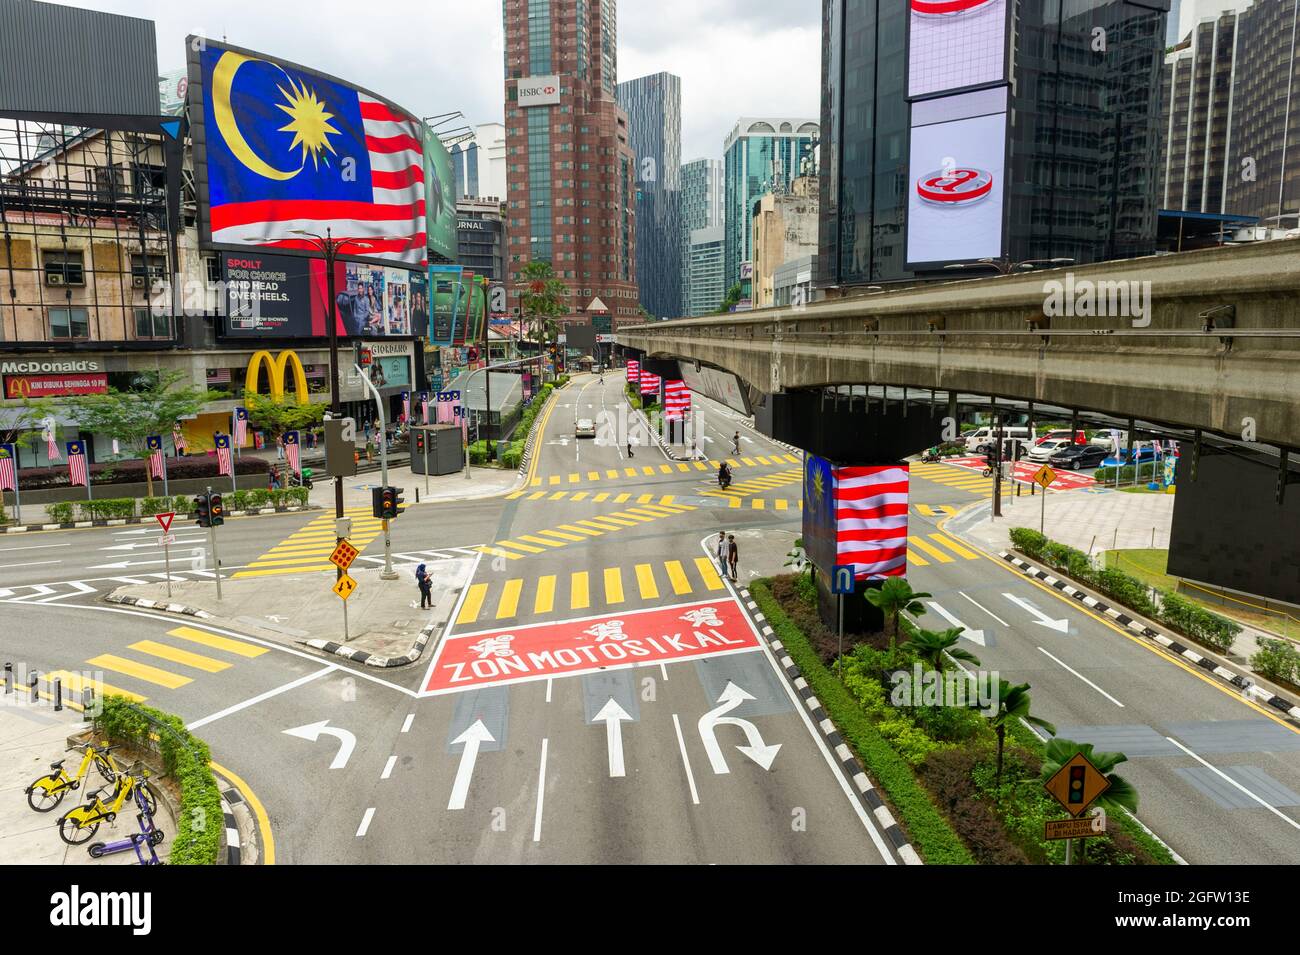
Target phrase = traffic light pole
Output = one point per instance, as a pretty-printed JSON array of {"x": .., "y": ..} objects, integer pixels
[
  {"x": 212, "y": 542},
  {"x": 388, "y": 572}
]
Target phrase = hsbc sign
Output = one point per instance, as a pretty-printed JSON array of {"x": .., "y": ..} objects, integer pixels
[{"x": 539, "y": 91}]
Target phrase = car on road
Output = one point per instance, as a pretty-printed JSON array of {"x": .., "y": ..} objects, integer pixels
[
  {"x": 1009, "y": 448},
  {"x": 1044, "y": 451},
  {"x": 1078, "y": 456},
  {"x": 980, "y": 436},
  {"x": 585, "y": 428},
  {"x": 1080, "y": 437}
]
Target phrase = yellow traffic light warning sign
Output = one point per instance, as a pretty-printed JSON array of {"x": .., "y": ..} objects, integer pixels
[
  {"x": 343, "y": 556},
  {"x": 1044, "y": 476},
  {"x": 1077, "y": 784},
  {"x": 345, "y": 585}
]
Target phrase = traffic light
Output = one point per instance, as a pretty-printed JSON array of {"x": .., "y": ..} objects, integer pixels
[
  {"x": 1075, "y": 795},
  {"x": 216, "y": 513},
  {"x": 201, "y": 506},
  {"x": 385, "y": 501}
]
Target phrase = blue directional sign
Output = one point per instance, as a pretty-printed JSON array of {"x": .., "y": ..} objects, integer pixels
[{"x": 842, "y": 579}]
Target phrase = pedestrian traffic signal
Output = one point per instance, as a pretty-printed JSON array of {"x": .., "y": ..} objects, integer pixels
[
  {"x": 216, "y": 513},
  {"x": 201, "y": 508}
]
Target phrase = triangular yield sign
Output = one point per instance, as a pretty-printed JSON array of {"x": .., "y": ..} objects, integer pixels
[{"x": 165, "y": 520}]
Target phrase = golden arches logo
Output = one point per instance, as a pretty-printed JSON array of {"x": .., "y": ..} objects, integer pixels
[{"x": 275, "y": 373}]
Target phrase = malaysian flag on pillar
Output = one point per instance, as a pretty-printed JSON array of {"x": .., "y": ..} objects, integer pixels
[
  {"x": 8, "y": 468},
  {"x": 225, "y": 461},
  {"x": 424, "y": 406},
  {"x": 292, "y": 451},
  {"x": 633, "y": 371},
  {"x": 241, "y": 427},
  {"x": 677, "y": 399},
  {"x": 157, "y": 459},
  {"x": 871, "y": 519},
  {"x": 78, "y": 471},
  {"x": 649, "y": 383}
]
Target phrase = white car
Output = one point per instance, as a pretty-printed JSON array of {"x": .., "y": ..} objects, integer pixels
[
  {"x": 1041, "y": 452},
  {"x": 585, "y": 428}
]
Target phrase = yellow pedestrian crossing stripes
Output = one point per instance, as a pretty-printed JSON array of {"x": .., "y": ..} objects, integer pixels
[
  {"x": 653, "y": 470},
  {"x": 758, "y": 504},
  {"x": 963, "y": 479},
  {"x": 935, "y": 510},
  {"x": 308, "y": 549},
  {"x": 752, "y": 486},
  {"x": 552, "y": 593},
  {"x": 157, "y": 664},
  {"x": 937, "y": 548},
  {"x": 564, "y": 535}
]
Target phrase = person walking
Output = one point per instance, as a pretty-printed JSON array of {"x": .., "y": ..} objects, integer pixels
[
  {"x": 720, "y": 548},
  {"x": 275, "y": 478},
  {"x": 733, "y": 555},
  {"x": 629, "y": 445},
  {"x": 425, "y": 583},
  {"x": 735, "y": 443}
]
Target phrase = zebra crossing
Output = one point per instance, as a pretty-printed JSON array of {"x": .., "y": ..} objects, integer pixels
[
  {"x": 962, "y": 479},
  {"x": 752, "y": 486},
  {"x": 308, "y": 549},
  {"x": 654, "y": 470},
  {"x": 581, "y": 590},
  {"x": 936, "y": 548},
  {"x": 580, "y": 531},
  {"x": 59, "y": 590}
]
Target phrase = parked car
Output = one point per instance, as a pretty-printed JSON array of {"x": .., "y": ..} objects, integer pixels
[
  {"x": 1141, "y": 455},
  {"x": 1045, "y": 450},
  {"x": 1080, "y": 437},
  {"x": 585, "y": 428},
  {"x": 1076, "y": 456},
  {"x": 984, "y": 435}
]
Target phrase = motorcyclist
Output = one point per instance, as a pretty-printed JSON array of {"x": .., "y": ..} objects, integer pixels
[{"x": 724, "y": 475}]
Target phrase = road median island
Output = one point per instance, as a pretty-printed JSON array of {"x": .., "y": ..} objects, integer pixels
[{"x": 935, "y": 763}]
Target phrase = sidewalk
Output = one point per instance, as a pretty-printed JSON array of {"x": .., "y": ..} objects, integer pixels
[
  {"x": 385, "y": 621},
  {"x": 32, "y": 737}
]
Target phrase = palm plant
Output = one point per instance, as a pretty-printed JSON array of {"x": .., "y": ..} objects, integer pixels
[
  {"x": 930, "y": 646},
  {"x": 1012, "y": 704},
  {"x": 543, "y": 298},
  {"x": 892, "y": 598}
]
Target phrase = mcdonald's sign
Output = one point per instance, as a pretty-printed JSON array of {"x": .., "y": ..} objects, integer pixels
[{"x": 276, "y": 369}]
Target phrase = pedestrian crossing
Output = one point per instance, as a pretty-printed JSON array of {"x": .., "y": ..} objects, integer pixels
[
  {"x": 924, "y": 550},
  {"x": 580, "y": 531},
  {"x": 308, "y": 549},
  {"x": 757, "y": 504},
  {"x": 935, "y": 510},
  {"x": 758, "y": 485},
  {"x": 654, "y": 470},
  {"x": 169, "y": 664},
  {"x": 963, "y": 479},
  {"x": 583, "y": 590}
]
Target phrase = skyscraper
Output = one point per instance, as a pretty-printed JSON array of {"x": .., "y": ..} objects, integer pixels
[
  {"x": 570, "y": 170},
  {"x": 701, "y": 193},
  {"x": 654, "y": 112},
  {"x": 761, "y": 156},
  {"x": 702, "y": 225}
]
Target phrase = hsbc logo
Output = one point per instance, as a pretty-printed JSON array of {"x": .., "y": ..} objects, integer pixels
[{"x": 539, "y": 91}]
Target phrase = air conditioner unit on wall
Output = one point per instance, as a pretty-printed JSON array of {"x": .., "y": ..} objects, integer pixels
[
  {"x": 53, "y": 278},
  {"x": 137, "y": 281}
]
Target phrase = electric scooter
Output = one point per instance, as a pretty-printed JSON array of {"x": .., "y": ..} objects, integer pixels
[{"x": 148, "y": 837}]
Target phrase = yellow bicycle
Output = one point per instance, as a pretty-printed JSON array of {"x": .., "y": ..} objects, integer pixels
[
  {"x": 48, "y": 791},
  {"x": 80, "y": 825}
]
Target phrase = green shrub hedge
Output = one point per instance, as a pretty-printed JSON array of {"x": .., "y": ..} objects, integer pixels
[
  {"x": 1147, "y": 471},
  {"x": 61, "y": 511},
  {"x": 185, "y": 758},
  {"x": 1197, "y": 622},
  {"x": 1277, "y": 660}
]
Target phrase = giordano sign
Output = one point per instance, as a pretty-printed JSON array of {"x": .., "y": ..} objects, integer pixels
[{"x": 276, "y": 369}]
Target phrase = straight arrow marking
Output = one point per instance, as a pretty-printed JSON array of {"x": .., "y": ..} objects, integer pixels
[
  {"x": 1061, "y": 626},
  {"x": 474, "y": 737},
  {"x": 613, "y": 716},
  {"x": 975, "y": 636}
]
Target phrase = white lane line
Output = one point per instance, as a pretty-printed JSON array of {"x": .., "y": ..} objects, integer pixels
[
  {"x": 664, "y": 670},
  {"x": 10, "y": 550},
  {"x": 388, "y": 767},
  {"x": 406, "y": 724},
  {"x": 541, "y": 793},
  {"x": 365, "y": 822},
  {"x": 548, "y": 689},
  {"x": 31, "y": 563},
  {"x": 985, "y": 609},
  {"x": 253, "y": 701},
  {"x": 1076, "y": 673},
  {"x": 686, "y": 761},
  {"x": 1218, "y": 772}
]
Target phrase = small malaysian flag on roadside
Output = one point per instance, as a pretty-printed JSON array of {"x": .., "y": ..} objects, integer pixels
[
  {"x": 633, "y": 371},
  {"x": 52, "y": 444},
  {"x": 8, "y": 468},
  {"x": 871, "y": 520},
  {"x": 406, "y": 406},
  {"x": 293, "y": 451},
  {"x": 77, "y": 468},
  {"x": 157, "y": 458},
  {"x": 649, "y": 383},
  {"x": 178, "y": 440},
  {"x": 225, "y": 460},
  {"x": 677, "y": 399},
  {"x": 241, "y": 427},
  {"x": 424, "y": 406}
]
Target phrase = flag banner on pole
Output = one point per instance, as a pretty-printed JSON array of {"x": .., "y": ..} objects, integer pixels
[
  {"x": 677, "y": 399},
  {"x": 241, "y": 427},
  {"x": 633, "y": 371},
  {"x": 225, "y": 460},
  {"x": 424, "y": 406},
  {"x": 77, "y": 468},
  {"x": 871, "y": 519},
  {"x": 157, "y": 460},
  {"x": 649, "y": 383},
  {"x": 293, "y": 451},
  {"x": 52, "y": 445},
  {"x": 178, "y": 440},
  {"x": 8, "y": 468},
  {"x": 406, "y": 405}
]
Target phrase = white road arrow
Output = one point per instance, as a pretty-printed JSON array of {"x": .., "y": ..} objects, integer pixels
[
  {"x": 1061, "y": 626},
  {"x": 121, "y": 564},
  {"x": 313, "y": 731},
  {"x": 732, "y": 696},
  {"x": 473, "y": 738},
  {"x": 613, "y": 716},
  {"x": 151, "y": 545},
  {"x": 975, "y": 636}
]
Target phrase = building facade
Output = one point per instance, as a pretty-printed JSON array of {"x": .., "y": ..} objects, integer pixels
[
  {"x": 570, "y": 169},
  {"x": 481, "y": 237},
  {"x": 705, "y": 286},
  {"x": 785, "y": 230},
  {"x": 1061, "y": 157},
  {"x": 654, "y": 112},
  {"x": 479, "y": 163},
  {"x": 702, "y": 194},
  {"x": 760, "y": 155},
  {"x": 1231, "y": 112}
]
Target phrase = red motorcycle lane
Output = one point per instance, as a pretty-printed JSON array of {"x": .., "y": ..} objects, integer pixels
[
  {"x": 563, "y": 648},
  {"x": 1025, "y": 470}
]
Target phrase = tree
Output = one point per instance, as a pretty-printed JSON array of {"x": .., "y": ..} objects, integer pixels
[
  {"x": 892, "y": 598},
  {"x": 131, "y": 416},
  {"x": 732, "y": 298},
  {"x": 1120, "y": 795},
  {"x": 543, "y": 298},
  {"x": 930, "y": 646},
  {"x": 1013, "y": 704},
  {"x": 22, "y": 428},
  {"x": 279, "y": 416}
]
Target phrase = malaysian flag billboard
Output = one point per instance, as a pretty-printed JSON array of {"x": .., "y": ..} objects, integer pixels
[
  {"x": 856, "y": 514},
  {"x": 281, "y": 148}
]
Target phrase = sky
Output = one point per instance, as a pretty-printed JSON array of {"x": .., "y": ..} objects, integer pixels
[{"x": 735, "y": 57}]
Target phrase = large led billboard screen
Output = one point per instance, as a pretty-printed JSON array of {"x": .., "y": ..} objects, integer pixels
[
  {"x": 955, "y": 45},
  {"x": 440, "y": 197},
  {"x": 281, "y": 149},
  {"x": 956, "y": 178}
]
